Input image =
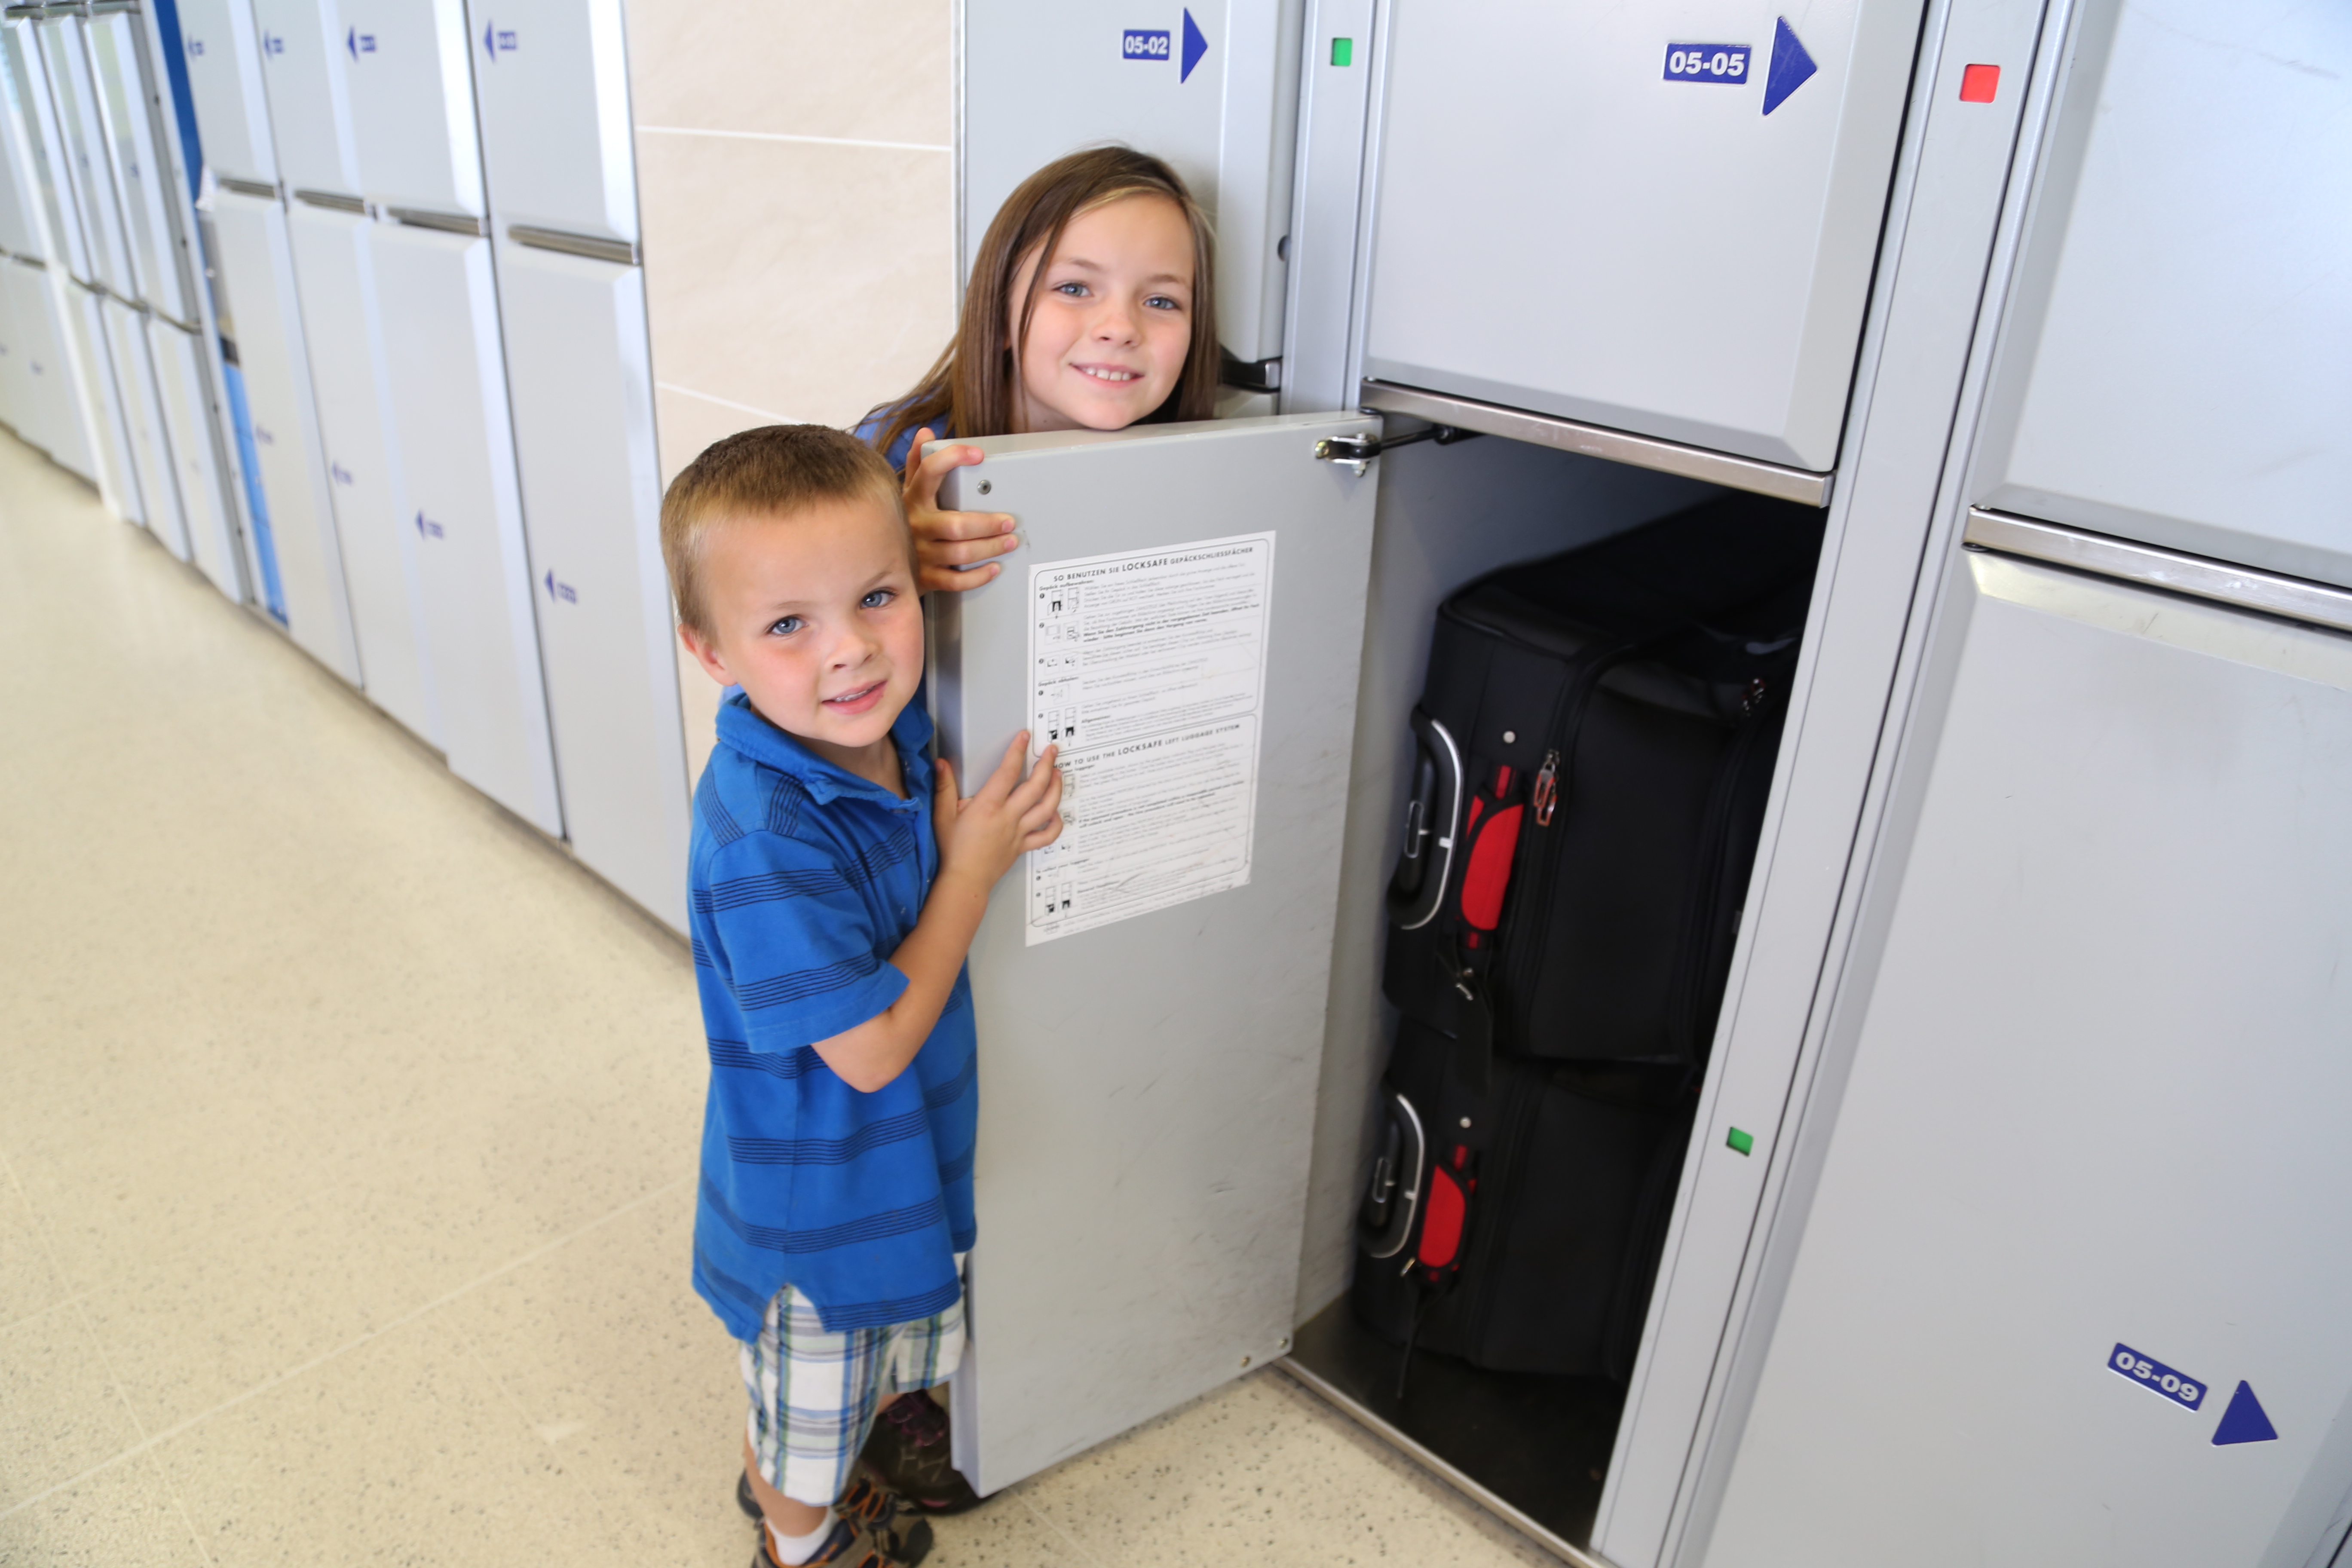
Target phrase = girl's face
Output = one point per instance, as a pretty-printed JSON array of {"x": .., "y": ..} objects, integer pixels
[{"x": 1113, "y": 322}]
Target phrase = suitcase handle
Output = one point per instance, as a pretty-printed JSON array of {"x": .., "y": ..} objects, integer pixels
[
  {"x": 1388, "y": 1216},
  {"x": 1432, "y": 820}
]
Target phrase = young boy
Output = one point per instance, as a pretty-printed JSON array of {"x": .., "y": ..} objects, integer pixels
[{"x": 837, "y": 885}]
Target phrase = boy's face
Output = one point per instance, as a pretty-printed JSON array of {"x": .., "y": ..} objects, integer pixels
[{"x": 814, "y": 616}]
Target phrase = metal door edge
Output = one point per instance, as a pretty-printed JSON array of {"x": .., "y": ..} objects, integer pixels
[
  {"x": 2239, "y": 587},
  {"x": 1777, "y": 481}
]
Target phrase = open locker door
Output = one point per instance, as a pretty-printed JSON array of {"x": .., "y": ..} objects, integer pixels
[{"x": 1188, "y": 612}]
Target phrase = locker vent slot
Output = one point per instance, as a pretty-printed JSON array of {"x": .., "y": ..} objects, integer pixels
[
  {"x": 588, "y": 244},
  {"x": 262, "y": 188},
  {"x": 341, "y": 204},
  {"x": 452, "y": 223}
]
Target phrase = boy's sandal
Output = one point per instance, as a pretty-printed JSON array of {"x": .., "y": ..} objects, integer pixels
[{"x": 878, "y": 1529}]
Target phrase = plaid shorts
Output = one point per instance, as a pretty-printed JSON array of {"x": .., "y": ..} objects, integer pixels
[{"x": 813, "y": 1394}]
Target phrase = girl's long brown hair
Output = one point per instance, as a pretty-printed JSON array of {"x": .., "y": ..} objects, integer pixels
[{"x": 970, "y": 389}]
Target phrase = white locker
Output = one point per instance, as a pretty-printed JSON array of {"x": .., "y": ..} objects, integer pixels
[
  {"x": 256, "y": 277},
  {"x": 20, "y": 219},
  {"x": 180, "y": 376},
  {"x": 43, "y": 149},
  {"x": 1682, "y": 208},
  {"x": 142, "y": 173},
  {"x": 143, "y": 424},
  {"x": 334, "y": 265},
  {"x": 552, "y": 82},
  {"x": 16, "y": 403},
  {"x": 413, "y": 104},
  {"x": 581, "y": 376},
  {"x": 1182, "y": 1110},
  {"x": 92, "y": 373},
  {"x": 59, "y": 423},
  {"x": 82, "y": 135},
  {"x": 1211, "y": 88},
  {"x": 223, "y": 52},
  {"x": 2095, "y": 1104},
  {"x": 304, "y": 65},
  {"x": 2173, "y": 366},
  {"x": 457, "y": 453}
]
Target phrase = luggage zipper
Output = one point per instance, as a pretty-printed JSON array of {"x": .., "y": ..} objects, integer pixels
[
  {"x": 1506, "y": 1151},
  {"x": 1522, "y": 952},
  {"x": 1695, "y": 961}
]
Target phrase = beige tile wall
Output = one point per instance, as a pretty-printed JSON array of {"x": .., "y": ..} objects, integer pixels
[{"x": 796, "y": 181}]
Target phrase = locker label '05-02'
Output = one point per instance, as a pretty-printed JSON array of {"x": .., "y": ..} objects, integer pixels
[{"x": 1148, "y": 671}]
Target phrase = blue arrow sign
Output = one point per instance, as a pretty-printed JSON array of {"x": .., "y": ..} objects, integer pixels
[
  {"x": 1791, "y": 67},
  {"x": 1195, "y": 46},
  {"x": 2245, "y": 1421}
]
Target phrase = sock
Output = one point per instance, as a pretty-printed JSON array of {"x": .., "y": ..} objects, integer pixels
[{"x": 792, "y": 1551}]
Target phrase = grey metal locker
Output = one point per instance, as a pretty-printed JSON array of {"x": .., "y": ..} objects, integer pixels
[
  {"x": 83, "y": 155},
  {"x": 256, "y": 277},
  {"x": 580, "y": 372},
  {"x": 304, "y": 64},
  {"x": 92, "y": 377},
  {"x": 17, "y": 407},
  {"x": 1213, "y": 89},
  {"x": 223, "y": 52},
  {"x": 412, "y": 101},
  {"x": 1170, "y": 1264},
  {"x": 148, "y": 443},
  {"x": 142, "y": 170},
  {"x": 20, "y": 217},
  {"x": 2173, "y": 365},
  {"x": 182, "y": 378},
  {"x": 333, "y": 251},
  {"x": 552, "y": 80},
  {"x": 456, "y": 452},
  {"x": 44, "y": 148},
  {"x": 2068, "y": 1281},
  {"x": 60, "y": 425},
  {"x": 1661, "y": 222}
]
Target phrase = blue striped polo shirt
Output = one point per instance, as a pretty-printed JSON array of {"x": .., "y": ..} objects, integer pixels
[{"x": 804, "y": 880}]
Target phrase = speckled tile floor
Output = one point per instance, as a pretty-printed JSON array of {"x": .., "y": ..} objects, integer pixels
[{"x": 347, "y": 1133}]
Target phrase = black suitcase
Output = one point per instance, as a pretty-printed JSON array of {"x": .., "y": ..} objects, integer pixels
[
  {"x": 1526, "y": 1240},
  {"x": 1595, "y": 740}
]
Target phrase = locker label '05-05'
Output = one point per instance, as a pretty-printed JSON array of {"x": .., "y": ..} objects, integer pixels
[{"x": 1723, "y": 63}]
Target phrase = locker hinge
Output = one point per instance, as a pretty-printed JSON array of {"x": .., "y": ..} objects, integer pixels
[{"x": 1358, "y": 451}]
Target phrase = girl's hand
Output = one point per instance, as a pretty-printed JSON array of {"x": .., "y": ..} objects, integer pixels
[
  {"x": 947, "y": 540},
  {"x": 980, "y": 837}
]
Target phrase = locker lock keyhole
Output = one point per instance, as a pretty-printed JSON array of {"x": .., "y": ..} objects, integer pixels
[{"x": 985, "y": 486}]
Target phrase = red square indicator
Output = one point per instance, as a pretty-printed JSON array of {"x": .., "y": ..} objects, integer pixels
[{"x": 1978, "y": 83}]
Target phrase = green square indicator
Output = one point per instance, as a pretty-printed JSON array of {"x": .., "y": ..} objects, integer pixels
[
  {"x": 1741, "y": 1142},
  {"x": 1343, "y": 51}
]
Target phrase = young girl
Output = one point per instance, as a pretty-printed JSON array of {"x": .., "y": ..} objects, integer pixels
[{"x": 1091, "y": 307}]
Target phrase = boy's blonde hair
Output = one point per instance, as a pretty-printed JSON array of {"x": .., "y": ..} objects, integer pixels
[{"x": 768, "y": 473}]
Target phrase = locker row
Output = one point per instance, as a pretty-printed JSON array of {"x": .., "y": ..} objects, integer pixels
[{"x": 430, "y": 418}]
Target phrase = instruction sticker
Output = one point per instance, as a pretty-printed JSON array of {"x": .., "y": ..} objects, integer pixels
[{"x": 1148, "y": 671}]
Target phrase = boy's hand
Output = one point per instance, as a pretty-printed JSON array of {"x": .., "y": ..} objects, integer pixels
[
  {"x": 947, "y": 540},
  {"x": 980, "y": 837}
]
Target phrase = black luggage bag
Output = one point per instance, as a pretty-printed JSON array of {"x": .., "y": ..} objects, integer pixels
[{"x": 1595, "y": 742}]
